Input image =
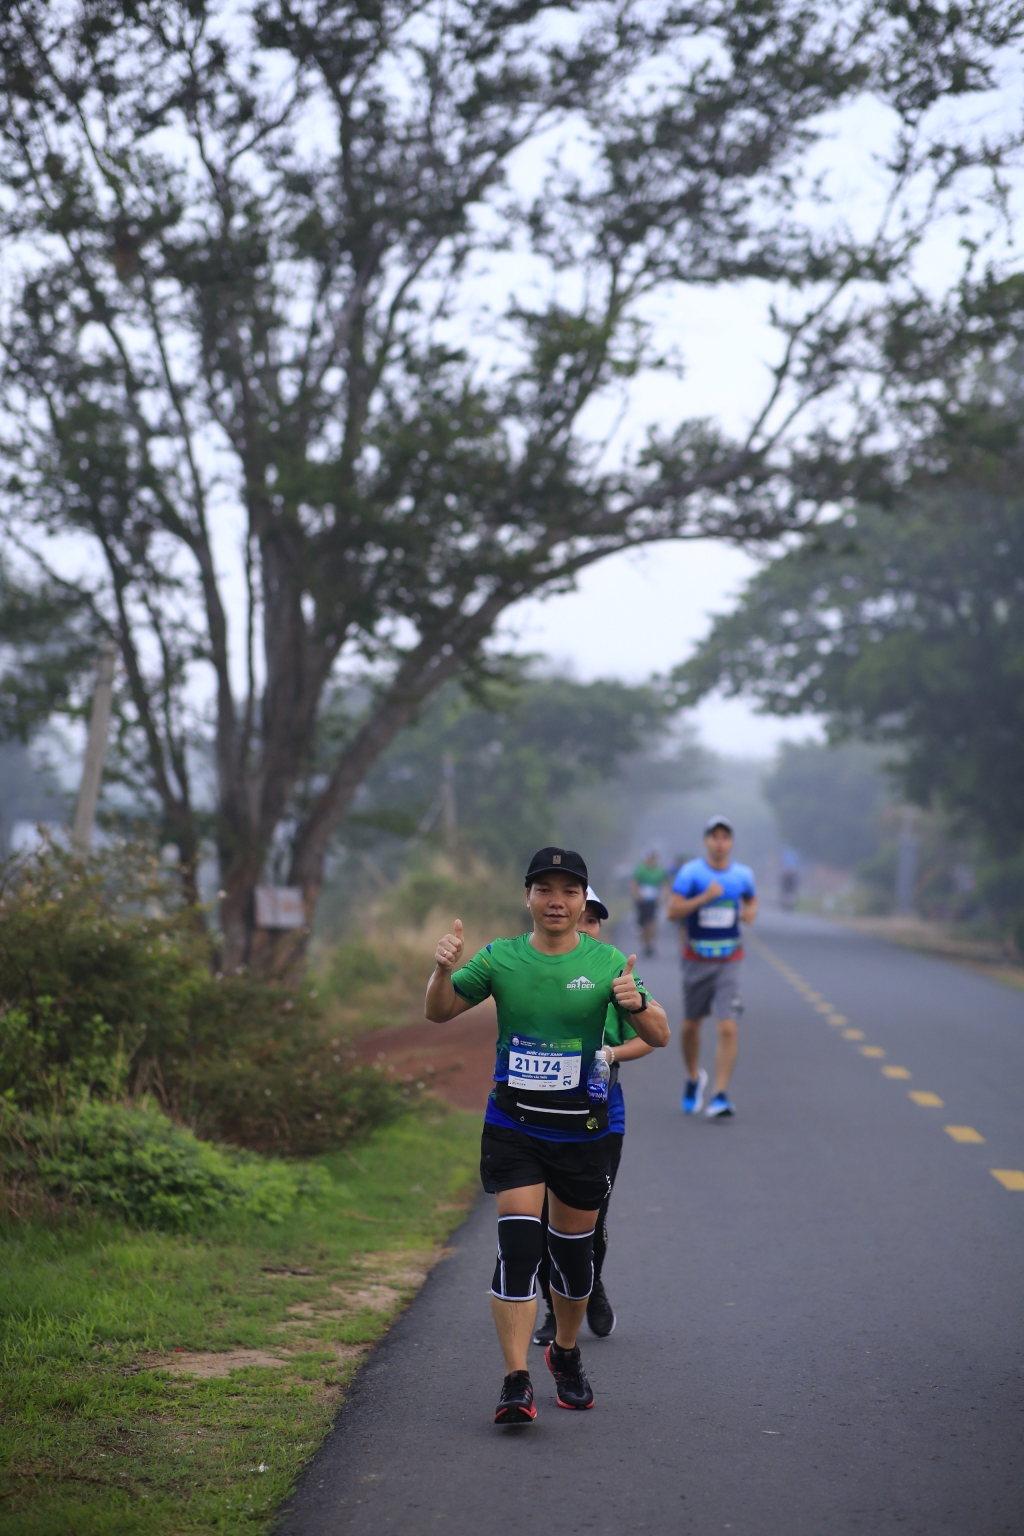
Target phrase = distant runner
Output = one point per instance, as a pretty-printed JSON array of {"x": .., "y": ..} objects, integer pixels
[
  {"x": 546, "y": 1125},
  {"x": 713, "y": 895},
  {"x": 621, "y": 1043},
  {"x": 648, "y": 879}
]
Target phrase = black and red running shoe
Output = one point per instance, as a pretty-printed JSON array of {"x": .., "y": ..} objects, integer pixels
[
  {"x": 572, "y": 1389},
  {"x": 516, "y": 1403}
]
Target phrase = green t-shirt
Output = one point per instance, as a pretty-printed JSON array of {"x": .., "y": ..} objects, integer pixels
[
  {"x": 616, "y": 1030},
  {"x": 649, "y": 880},
  {"x": 553, "y": 1010}
]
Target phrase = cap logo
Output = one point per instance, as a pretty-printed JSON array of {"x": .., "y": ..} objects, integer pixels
[{"x": 556, "y": 858}]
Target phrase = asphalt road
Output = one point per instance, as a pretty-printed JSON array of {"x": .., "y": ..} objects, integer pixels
[{"x": 820, "y": 1303}]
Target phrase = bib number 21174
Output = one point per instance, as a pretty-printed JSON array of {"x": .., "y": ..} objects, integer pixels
[{"x": 540, "y": 1064}]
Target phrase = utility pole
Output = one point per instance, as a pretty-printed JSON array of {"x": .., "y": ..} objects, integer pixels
[
  {"x": 906, "y": 862},
  {"x": 95, "y": 750}
]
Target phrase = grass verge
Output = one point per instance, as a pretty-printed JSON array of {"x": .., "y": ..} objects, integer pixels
[{"x": 175, "y": 1384}]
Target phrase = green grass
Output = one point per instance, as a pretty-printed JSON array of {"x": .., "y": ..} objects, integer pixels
[{"x": 96, "y": 1439}]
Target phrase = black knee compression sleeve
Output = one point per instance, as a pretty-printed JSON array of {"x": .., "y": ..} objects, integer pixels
[
  {"x": 572, "y": 1263},
  {"x": 519, "y": 1251}
]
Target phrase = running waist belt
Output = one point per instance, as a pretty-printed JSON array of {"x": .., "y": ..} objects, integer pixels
[{"x": 573, "y": 1112}]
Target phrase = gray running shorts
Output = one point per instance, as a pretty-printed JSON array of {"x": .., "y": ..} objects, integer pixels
[{"x": 712, "y": 986}]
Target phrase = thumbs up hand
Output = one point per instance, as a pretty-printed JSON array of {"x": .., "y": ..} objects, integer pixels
[
  {"x": 624, "y": 988},
  {"x": 449, "y": 950}
]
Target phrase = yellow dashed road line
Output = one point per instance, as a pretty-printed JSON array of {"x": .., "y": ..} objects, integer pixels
[{"x": 1009, "y": 1178}]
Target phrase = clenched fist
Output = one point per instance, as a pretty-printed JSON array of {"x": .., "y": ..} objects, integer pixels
[{"x": 449, "y": 950}]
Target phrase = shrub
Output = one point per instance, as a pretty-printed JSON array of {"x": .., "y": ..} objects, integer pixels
[
  {"x": 475, "y": 892},
  {"x": 286, "y": 1096},
  {"x": 107, "y": 991},
  {"x": 134, "y": 1163}
]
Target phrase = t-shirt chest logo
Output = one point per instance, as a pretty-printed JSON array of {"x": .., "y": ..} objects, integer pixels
[{"x": 581, "y": 984}]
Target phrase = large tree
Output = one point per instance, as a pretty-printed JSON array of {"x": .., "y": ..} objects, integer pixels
[{"x": 240, "y": 242}]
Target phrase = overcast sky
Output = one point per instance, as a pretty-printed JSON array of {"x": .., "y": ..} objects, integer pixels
[{"x": 643, "y": 612}]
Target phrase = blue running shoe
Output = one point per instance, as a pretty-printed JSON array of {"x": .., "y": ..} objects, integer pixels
[
  {"x": 719, "y": 1106},
  {"x": 693, "y": 1094}
]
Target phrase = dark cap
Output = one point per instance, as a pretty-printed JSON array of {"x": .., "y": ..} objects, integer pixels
[
  {"x": 557, "y": 861},
  {"x": 718, "y": 821}
]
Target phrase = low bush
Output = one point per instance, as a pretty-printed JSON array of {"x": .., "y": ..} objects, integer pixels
[
  {"x": 135, "y": 1164},
  {"x": 295, "y": 1097},
  {"x": 107, "y": 993},
  {"x": 436, "y": 889}
]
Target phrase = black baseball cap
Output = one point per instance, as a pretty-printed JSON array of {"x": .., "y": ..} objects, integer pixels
[
  {"x": 558, "y": 861},
  {"x": 718, "y": 821}
]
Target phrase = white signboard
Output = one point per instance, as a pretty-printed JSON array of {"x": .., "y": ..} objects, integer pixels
[{"x": 279, "y": 906}]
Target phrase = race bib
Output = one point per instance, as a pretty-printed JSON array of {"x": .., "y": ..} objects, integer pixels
[
  {"x": 648, "y": 892},
  {"x": 536, "y": 1064},
  {"x": 717, "y": 917}
]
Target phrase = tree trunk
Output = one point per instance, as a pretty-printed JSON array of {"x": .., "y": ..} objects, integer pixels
[{"x": 282, "y": 952}]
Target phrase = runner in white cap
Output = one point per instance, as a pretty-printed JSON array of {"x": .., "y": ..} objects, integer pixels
[{"x": 622, "y": 1043}]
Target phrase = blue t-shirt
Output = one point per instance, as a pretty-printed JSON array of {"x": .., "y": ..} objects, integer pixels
[{"x": 713, "y": 930}]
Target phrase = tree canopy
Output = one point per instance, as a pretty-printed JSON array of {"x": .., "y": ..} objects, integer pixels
[
  {"x": 904, "y": 627},
  {"x": 517, "y": 763},
  {"x": 829, "y": 800},
  {"x": 236, "y": 358}
]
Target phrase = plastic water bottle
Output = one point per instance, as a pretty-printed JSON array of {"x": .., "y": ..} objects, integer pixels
[{"x": 597, "y": 1081}]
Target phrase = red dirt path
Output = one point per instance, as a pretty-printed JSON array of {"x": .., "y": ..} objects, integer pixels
[{"x": 455, "y": 1059}]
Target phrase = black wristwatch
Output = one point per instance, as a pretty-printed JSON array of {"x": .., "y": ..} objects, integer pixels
[{"x": 643, "y": 1004}]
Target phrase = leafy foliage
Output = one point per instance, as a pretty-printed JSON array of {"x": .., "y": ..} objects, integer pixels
[
  {"x": 135, "y": 1164},
  {"x": 250, "y": 229},
  {"x": 906, "y": 628},
  {"x": 106, "y": 990},
  {"x": 516, "y": 761},
  {"x": 829, "y": 800}
]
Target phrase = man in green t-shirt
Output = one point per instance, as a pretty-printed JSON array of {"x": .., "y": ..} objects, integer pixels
[
  {"x": 546, "y": 1124},
  {"x": 621, "y": 1043},
  {"x": 646, "y": 885}
]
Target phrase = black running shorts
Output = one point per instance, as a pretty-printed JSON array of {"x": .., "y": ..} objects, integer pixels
[
  {"x": 646, "y": 912},
  {"x": 577, "y": 1172}
]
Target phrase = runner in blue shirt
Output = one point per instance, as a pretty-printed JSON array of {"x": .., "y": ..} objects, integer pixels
[{"x": 712, "y": 895}]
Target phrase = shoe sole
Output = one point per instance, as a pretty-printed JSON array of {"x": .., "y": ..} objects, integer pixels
[
  {"x": 516, "y": 1416},
  {"x": 718, "y": 1114},
  {"x": 608, "y": 1332},
  {"x": 574, "y": 1407}
]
